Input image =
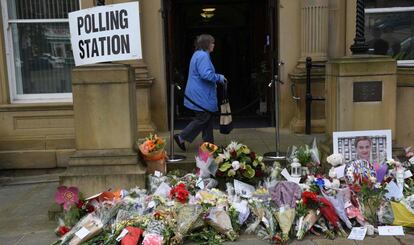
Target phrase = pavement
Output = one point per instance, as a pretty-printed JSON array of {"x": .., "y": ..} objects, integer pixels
[{"x": 25, "y": 200}]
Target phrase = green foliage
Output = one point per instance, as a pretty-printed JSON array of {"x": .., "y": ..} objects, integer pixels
[
  {"x": 234, "y": 217},
  {"x": 303, "y": 154},
  {"x": 371, "y": 198},
  {"x": 207, "y": 236}
]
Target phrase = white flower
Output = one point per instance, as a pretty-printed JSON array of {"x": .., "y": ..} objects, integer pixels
[
  {"x": 235, "y": 165},
  {"x": 260, "y": 158},
  {"x": 233, "y": 146},
  {"x": 335, "y": 184},
  {"x": 223, "y": 156},
  {"x": 373, "y": 179},
  {"x": 336, "y": 159}
]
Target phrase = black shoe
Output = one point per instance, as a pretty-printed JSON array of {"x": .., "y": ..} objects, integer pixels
[{"x": 179, "y": 143}]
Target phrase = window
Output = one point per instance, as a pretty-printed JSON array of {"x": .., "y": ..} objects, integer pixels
[
  {"x": 389, "y": 29},
  {"x": 39, "y": 54}
]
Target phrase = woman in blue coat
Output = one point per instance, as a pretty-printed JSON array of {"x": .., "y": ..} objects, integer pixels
[{"x": 201, "y": 89}]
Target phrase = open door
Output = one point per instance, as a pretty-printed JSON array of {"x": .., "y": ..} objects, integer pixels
[{"x": 243, "y": 44}]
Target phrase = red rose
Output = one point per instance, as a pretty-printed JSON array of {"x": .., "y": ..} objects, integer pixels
[
  {"x": 179, "y": 192},
  {"x": 90, "y": 208},
  {"x": 80, "y": 204},
  {"x": 63, "y": 230},
  {"x": 356, "y": 188},
  {"x": 252, "y": 155}
]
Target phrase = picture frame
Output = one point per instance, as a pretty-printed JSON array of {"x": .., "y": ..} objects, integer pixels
[{"x": 372, "y": 145}]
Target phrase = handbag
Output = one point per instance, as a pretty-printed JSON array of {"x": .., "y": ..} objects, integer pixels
[{"x": 226, "y": 121}]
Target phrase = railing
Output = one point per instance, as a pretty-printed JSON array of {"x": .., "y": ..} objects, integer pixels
[{"x": 309, "y": 97}]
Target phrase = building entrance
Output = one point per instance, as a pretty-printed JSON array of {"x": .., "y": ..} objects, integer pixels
[{"x": 242, "y": 53}]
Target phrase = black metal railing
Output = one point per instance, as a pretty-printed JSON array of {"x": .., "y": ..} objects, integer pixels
[{"x": 309, "y": 97}]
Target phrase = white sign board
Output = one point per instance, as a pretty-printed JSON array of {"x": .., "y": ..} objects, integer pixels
[{"x": 105, "y": 33}]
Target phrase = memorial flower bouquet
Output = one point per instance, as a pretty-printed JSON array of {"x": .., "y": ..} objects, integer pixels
[
  {"x": 152, "y": 148},
  {"x": 237, "y": 161}
]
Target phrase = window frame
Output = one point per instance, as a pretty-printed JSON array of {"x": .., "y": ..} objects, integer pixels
[
  {"x": 401, "y": 63},
  {"x": 10, "y": 60}
]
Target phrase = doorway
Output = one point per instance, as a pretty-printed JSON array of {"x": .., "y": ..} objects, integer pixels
[{"x": 242, "y": 53}]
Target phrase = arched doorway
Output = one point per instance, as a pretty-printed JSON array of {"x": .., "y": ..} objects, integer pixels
[{"x": 243, "y": 52}]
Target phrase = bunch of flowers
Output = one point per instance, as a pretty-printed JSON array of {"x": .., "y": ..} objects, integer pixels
[
  {"x": 239, "y": 162},
  {"x": 74, "y": 207},
  {"x": 152, "y": 148},
  {"x": 179, "y": 193}
]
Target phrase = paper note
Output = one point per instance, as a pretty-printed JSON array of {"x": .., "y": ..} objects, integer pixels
[
  {"x": 122, "y": 235},
  {"x": 287, "y": 176},
  {"x": 82, "y": 233},
  {"x": 390, "y": 231},
  {"x": 393, "y": 191},
  {"x": 358, "y": 233},
  {"x": 243, "y": 189},
  {"x": 407, "y": 174},
  {"x": 340, "y": 171},
  {"x": 157, "y": 174}
]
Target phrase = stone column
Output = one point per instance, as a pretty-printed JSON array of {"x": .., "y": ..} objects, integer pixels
[
  {"x": 361, "y": 93},
  {"x": 143, "y": 88},
  {"x": 314, "y": 44},
  {"x": 314, "y": 30},
  {"x": 104, "y": 101}
]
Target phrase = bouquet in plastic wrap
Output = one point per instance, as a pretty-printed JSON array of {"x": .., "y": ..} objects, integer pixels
[
  {"x": 152, "y": 150},
  {"x": 206, "y": 166},
  {"x": 220, "y": 220},
  {"x": 285, "y": 194},
  {"x": 186, "y": 218}
]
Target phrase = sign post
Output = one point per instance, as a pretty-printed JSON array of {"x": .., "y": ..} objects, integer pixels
[{"x": 106, "y": 33}]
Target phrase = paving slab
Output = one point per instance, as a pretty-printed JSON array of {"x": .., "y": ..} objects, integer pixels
[
  {"x": 337, "y": 241},
  {"x": 39, "y": 237},
  {"x": 388, "y": 240},
  {"x": 408, "y": 239}
]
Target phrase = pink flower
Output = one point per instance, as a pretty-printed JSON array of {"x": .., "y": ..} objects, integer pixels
[
  {"x": 152, "y": 239},
  {"x": 67, "y": 196}
]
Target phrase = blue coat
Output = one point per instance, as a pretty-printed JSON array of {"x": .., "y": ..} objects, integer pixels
[{"x": 202, "y": 82}]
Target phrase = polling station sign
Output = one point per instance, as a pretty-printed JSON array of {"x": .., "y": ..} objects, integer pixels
[{"x": 105, "y": 33}]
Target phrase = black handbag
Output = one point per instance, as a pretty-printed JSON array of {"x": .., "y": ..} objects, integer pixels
[{"x": 226, "y": 121}]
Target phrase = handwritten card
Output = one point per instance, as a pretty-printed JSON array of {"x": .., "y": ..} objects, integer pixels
[
  {"x": 358, "y": 233},
  {"x": 243, "y": 189},
  {"x": 390, "y": 231}
]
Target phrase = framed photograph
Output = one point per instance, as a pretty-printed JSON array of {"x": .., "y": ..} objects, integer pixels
[{"x": 371, "y": 145}]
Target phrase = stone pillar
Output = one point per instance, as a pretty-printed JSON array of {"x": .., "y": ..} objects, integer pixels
[
  {"x": 361, "y": 93},
  {"x": 314, "y": 30},
  {"x": 314, "y": 44},
  {"x": 143, "y": 89},
  {"x": 104, "y": 101}
]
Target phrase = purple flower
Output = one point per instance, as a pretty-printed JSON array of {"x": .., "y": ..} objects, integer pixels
[{"x": 67, "y": 196}]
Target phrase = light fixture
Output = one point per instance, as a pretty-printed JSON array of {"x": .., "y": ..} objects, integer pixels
[
  {"x": 208, "y": 12},
  {"x": 209, "y": 9},
  {"x": 207, "y": 15}
]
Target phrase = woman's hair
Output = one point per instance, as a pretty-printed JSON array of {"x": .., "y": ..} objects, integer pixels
[
  {"x": 203, "y": 42},
  {"x": 362, "y": 138}
]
